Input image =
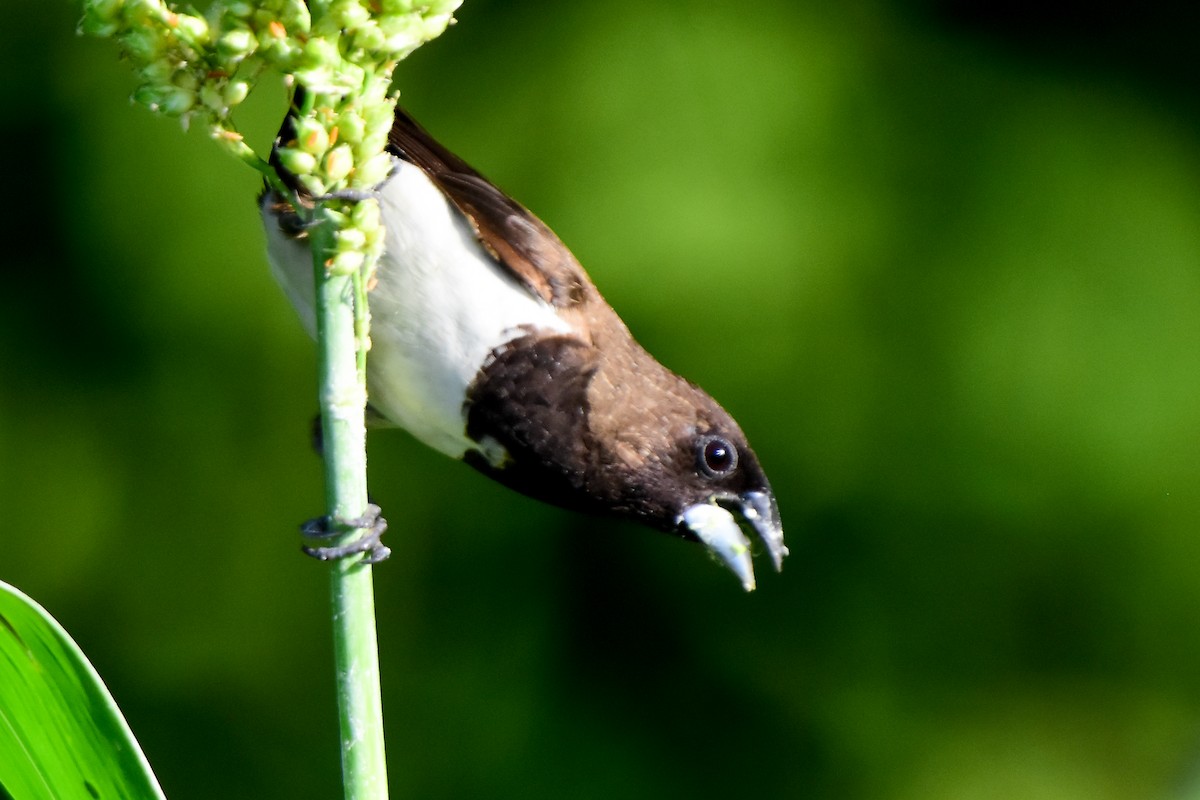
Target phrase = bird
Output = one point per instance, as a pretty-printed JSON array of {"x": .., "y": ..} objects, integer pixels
[{"x": 492, "y": 345}]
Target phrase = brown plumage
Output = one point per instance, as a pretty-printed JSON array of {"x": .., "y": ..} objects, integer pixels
[{"x": 564, "y": 406}]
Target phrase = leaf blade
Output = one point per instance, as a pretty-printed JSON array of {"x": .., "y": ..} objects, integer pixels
[{"x": 61, "y": 733}]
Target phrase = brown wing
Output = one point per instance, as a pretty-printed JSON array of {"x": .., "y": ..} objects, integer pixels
[{"x": 519, "y": 241}]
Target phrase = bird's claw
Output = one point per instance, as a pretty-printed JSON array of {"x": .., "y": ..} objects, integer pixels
[{"x": 371, "y": 526}]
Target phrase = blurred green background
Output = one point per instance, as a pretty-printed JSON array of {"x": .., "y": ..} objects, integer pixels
[{"x": 942, "y": 261}]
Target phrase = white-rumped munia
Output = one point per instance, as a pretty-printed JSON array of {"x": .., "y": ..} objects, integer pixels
[{"x": 490, "y": 344}]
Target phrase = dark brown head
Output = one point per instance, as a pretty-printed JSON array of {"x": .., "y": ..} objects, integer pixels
[{"x": 613, "y": 432}]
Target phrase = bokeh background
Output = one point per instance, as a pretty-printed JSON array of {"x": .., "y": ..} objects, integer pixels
[{"x": 940, "y": 258}]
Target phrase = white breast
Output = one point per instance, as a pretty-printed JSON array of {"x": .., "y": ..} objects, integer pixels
[{"x": 441, "y": 306}]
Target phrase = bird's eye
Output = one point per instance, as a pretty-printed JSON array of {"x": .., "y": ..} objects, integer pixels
[{"x": 717, "y": 457}]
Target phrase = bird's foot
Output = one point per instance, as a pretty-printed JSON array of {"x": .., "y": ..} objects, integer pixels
[
  {"x": 360, "y": 195},
  {"x": 370, "y": 525}
]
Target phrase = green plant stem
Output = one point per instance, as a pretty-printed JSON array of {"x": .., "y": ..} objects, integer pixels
[{"x": 343, "y": 401}]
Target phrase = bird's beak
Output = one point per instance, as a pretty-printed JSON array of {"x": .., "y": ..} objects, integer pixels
[{"x": 714, "y": 524}]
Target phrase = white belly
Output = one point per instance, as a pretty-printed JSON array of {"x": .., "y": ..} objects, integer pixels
[{"x": 440, "y": 307}]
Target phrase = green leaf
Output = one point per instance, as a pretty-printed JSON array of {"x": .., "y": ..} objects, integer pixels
[{"x": 61, "y": 735}]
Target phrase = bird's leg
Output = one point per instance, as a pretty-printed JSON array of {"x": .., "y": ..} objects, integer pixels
[
  {"x": 371, "y": 525},
  {"x": 359, "y": 195},
  {"x": 318, "y": 437},
  {"x": 322, "y": 529}
]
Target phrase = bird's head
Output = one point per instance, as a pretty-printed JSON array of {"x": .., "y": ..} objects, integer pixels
[
  {"x": 725, "y": 490},
  {"x": 629, "y": 439},
  {"x": 687, "y": 468}
]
